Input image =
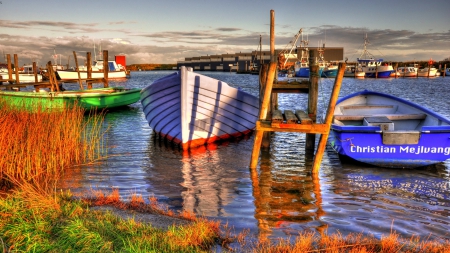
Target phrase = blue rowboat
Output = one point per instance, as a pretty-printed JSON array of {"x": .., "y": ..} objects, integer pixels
[
  {"x": 191, "y": 110},
  {"x": 387, "y": 131}
]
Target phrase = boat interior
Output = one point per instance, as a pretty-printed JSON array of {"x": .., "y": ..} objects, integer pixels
[{"x": 388, "y": 117}]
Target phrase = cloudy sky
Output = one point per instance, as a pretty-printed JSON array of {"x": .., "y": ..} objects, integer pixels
[{"x": 149, "y": 31}]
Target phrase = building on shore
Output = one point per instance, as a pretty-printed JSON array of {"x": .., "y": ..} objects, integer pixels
[{"x": 247, "y": 62}]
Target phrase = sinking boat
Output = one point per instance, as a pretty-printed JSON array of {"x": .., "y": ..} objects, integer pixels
[
  {"x": 387, "y": 131},
  {"x": 190, "y": 109}
]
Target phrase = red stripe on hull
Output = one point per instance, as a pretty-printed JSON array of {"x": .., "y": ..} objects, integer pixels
[{"x": 204, "y": 141}]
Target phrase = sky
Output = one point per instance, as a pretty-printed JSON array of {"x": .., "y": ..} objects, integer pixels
[{"x": 148, "y": 31}]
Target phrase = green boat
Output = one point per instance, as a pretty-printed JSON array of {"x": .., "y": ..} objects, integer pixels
[{"x": 90, "y": 99}]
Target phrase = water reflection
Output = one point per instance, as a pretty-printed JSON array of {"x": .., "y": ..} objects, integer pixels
[{"x": 281, "y": 198}]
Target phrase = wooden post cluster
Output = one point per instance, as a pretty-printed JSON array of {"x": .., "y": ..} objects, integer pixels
[
  {"x": 299, "y": 121},
  {"x": 53, "y": 83}
]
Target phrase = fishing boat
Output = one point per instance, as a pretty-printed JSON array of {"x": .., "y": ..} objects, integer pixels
[
  {"x": 190, "y": 109},
  {"x": 330, "y": 70},
  {"x": 301, "y": 67},
  {"x": 371, "y": 66},
  {"x": 354, "y": 71},
  {"x": 90, "y": 99},
  {"x": 116, "y": 71},
  {"x": 387, "y": 131},
  {"x": 407, "y": 71}
]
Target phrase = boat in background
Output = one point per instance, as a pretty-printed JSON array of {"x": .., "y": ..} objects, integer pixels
[
  {"x": 91, "y": 99},
  {"x": 407, "y": 71},
  {"x": 190, "y": 109},
  {"x": 301, "y": 67},
  {"x": 387, "y": 131},
  {"x": 26, "y": 74},
  {"x": 330, "y": 70},
  {"x": 373, "y": 67},
  {"x": 116, "y": 71},
  {"x": 354, "y": 71},
  {"x": 427, "y": 72}
]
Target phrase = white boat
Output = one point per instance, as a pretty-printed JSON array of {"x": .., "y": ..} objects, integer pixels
[
  {"x": 26, "y": 75},
  {"x": 116, "y": 71},
  {"x": 373, "y": 67},
  {"x": 190, "y": 109},
  {"x": 425, "y": 73},
  {"x": 354, "y": 71},
  {"x": 407, "y": 71}
]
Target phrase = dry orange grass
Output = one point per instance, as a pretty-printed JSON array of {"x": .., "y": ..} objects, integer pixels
[{"x": 37, "y": 146}]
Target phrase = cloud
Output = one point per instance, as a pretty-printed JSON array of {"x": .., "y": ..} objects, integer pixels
[{"x": 173, "y": 46}]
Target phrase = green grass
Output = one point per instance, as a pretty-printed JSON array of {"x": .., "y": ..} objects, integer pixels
[{"x": 34, "y": 223}]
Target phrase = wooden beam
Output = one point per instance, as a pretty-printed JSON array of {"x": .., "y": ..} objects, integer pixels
[
  {"x": 328, "y": 118},
  {"x": 78, "y": 70}
]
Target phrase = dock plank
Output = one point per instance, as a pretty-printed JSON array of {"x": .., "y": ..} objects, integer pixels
[
  {"x": 303, "y": 117},
  {"x": 290, "y": 117}
]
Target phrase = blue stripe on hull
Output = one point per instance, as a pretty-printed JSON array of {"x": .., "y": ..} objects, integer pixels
[
  {"x": 384, "y": 74},
  {"x": 369, "y": 148},
  {"x": 304, "y": 72}
]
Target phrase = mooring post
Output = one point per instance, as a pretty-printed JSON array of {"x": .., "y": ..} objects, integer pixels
[
  {"x": 89, "y": 69},
  {"x": 267, "y": 93},
  {"x": 445, "y": 70},
  {"x": 328, "y": 118},
  {"x": 78, "y": 70},
  {"x": 16, "y": 68},
  {"x": 312, "y": 101},
  {"x": 35, "y": 72},
  {"x": 105, "y": 69},
  {"x": 265, "y": 144}
]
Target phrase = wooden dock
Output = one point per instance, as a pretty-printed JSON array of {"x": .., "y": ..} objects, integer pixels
[
  {"x": 52, "y": 82},
  {"x": 273, "y": 120}
]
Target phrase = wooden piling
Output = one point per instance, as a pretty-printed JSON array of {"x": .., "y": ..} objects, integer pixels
[
  {"x": 328, "y": 118},
  {"x": 313, "y": 95},
  {"x": 16, "y": 68},
  {"x": 267, "y": 93},
  {"x": 89, "y": 69},
  {"x": 8, "y": 60},
  {"x": 35, "y": 72},
  {"x": 105, "y": 69},
  {"x": 78, "y": 70}
]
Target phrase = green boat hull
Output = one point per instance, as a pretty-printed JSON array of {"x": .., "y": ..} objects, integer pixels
[{"x": 92, "y": 99}]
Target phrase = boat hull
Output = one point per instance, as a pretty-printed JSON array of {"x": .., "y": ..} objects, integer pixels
[
  {"x": 304, "y": 72},
  {"x": 88, "y": 99},
  {"x": 417, "y": 137},
  {"x": 368, "y": 147},
  {"x": 70, "y": 75},
  {"x": 329, "y": 73},
  {"x": 23, "y": 78},
  {"x": 190, "y": 109}
]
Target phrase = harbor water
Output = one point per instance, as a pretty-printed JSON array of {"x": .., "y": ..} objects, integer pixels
[{"x": 283, "y": 199}]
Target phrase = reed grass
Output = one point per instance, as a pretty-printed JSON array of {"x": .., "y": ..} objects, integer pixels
[{"x": 37, "y": 145}]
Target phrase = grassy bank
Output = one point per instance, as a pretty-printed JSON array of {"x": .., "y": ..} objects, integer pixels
[{"x": 37, "y": 148}]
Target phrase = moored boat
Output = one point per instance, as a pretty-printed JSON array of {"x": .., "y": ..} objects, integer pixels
[
  {"x": 373, "y": 67},
  {"x": 26, "y": 75},
  {"x": 387, "y": 131},
  {"x": 116, "y": 71},
  {"x": 354, "y": 71},
  {"x": 330, "y": 70},
  {"x": 407, "y": 71},
  {"x": 191, "y": 109},
  {"x": 90, "y": 99},
  {"x": 427, "y": 72}
]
